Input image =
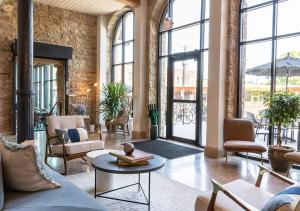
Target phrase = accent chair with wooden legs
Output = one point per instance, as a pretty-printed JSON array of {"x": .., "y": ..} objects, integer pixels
[
  {"x": 239, "y": 136},
  {"x": 293, "y": 158},
  {"x": 242, "y": 195},
  {"x": 56, "y": 146}
]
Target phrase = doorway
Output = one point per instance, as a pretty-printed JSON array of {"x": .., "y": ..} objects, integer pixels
[{"x": 185, "y": 101}]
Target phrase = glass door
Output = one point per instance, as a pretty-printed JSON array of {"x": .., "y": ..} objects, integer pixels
[{"x": 183, "y": 120}]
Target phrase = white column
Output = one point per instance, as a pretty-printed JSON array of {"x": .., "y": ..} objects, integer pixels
[
  {"x": 216, "y": 78},
  {"x": 139, "y": 82},
  {"x": 101, "y": 56}
]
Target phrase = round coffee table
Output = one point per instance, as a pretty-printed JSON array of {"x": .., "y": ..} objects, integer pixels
[{"x": 107, "y": 163}]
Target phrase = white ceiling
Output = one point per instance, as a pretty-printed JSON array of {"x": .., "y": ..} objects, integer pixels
[{"x": 92, "y": 7}]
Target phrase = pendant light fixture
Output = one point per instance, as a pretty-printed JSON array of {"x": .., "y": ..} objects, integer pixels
[{"x": 168, "y": 23}]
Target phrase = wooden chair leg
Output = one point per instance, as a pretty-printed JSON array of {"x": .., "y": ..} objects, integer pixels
[
  {"x": 109, "y": 130},
  {"x": 65, "y": 166},
  {"x": 124, "y": 132},
  {"x": 127, "y": 129},
  {"x": 212, "y": 201}
]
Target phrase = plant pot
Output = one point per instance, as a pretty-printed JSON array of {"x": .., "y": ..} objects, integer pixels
[
  {"x": 277, "y": 161},
  {"x": 153, "y": 132}
]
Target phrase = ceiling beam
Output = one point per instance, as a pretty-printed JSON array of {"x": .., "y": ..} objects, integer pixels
[{"x": 132, "y": 3}]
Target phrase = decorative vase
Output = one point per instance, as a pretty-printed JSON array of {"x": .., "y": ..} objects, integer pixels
[
  {"x": 128, "y": 148},
  {"x": 277, "y": 161},
  {"x": 153, "y": 132}
]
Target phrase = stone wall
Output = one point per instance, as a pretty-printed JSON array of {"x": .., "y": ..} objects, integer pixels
[
  {"x": 55, "y": 26},
  {"x": 231, "y": 80}
]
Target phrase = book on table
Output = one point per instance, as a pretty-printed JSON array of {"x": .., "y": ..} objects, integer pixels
[
  {"x": 136, "y": 156},
  {"x": 125, "y": 163}
]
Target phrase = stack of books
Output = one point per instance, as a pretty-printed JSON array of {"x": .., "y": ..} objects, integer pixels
[{"x": 137, "y": 158}]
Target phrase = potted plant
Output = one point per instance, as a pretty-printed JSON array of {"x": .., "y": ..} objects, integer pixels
[
  {"x": 153, "y": 115},
  {"x": 282, "y": 110},
  {"x": 113, "y": 102}
]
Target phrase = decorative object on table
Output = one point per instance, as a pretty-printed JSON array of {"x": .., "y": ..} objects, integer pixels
[
  {"x": 153, "y": 115},
  {"x": 128, "y": 148},
  {"x": 135, "y": 157},
  {"x": 282, "y": 109},
  {"x": 80, "y": 109},
  {"x": 114, "y": 101}
]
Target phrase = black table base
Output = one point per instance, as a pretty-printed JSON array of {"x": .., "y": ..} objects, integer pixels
[{"x": 101, "y": 195}]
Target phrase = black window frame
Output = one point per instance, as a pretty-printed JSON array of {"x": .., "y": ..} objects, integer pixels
[
  {"x": 122, "y": 64},
  {"x": 170, "y": 56},
  {"x": 273, "y": 38}
]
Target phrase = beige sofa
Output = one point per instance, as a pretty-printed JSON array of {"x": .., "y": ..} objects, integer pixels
[
  {"x": 68, "y": 151},
  {"x": 238, "y": 195}
]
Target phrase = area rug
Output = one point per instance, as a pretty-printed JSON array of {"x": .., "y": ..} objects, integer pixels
[
  {"x": 165, "y": 149},
  {"x": 166, "y": 194}
]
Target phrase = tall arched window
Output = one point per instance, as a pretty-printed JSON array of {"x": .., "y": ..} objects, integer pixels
[
  {"x": 123, "y": 50},
  {"x": 183, "y": 70},
  {"x": 269, "y": 58}
]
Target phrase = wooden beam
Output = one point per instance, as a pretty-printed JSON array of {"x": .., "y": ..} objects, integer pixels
[{"x": 132, "y": 3}]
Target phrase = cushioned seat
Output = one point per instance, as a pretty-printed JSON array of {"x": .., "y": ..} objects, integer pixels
[
  {"x": 78, "y": 147},
  {"x": 244, "y": 146},
  {"x": 67, "y": 198},
  {"x": 241, "y": 188},
  {"x": 293, "y": 157}
]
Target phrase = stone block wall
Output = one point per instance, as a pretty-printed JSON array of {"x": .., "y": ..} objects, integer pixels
[{"x": 54, "y": 26}]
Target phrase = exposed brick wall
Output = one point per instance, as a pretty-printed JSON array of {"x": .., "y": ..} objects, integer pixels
[{"x": 55, "y": 26}]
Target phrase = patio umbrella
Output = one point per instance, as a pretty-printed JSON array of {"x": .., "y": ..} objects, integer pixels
[{"x": 287, "y": 66}]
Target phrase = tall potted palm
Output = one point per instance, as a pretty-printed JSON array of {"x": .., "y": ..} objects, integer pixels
[
  {"x": 114, "y": 100},
  {"x": 282, "y": 110}
]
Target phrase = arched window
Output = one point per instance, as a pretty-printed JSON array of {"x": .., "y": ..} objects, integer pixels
[
  {"x": 269, "y": 58},
  {"x": 123, "y": 50},
  {"x": 183, "y": 70}
]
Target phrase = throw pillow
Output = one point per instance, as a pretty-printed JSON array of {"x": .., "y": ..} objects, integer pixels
[
  {"x": 286, "y": 200},
  {"x": 73, "y": 135},
  {"x": 22, "y": 168},
  {"x": 62, "y": 133}
]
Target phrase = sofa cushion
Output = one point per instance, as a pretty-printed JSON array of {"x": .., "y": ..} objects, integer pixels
[
  {"x": 78, "y": 147},
  {"x": 22, "y": 169},
  {"x": 1, "y": 187},
  {"x": 67, "y": 198},
  {"x": 243, "y": 146},
  {"x": 251, "y": 194}
]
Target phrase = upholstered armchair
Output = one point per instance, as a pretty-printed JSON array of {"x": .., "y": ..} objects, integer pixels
[
  {"x": 239, "y": 136},
  {"x": 56, "y": 146},
  {"x": 238, "y": 194}
]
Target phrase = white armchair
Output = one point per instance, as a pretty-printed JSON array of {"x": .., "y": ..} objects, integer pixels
[{"x": 56, "y": 146}]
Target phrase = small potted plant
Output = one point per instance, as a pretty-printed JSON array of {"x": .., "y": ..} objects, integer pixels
[
  {"x": 114, "y": 101},
  {"x": 282, "y": 110},
  {"x": 153, "y": 115}
]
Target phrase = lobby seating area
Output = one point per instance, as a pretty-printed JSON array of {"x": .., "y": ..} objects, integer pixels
[{"x": 161, "y": 105}]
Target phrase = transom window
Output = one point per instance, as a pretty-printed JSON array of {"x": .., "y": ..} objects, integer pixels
[
  {"x": 269, "y": 59},
  {"x": 122, "y": 50}
]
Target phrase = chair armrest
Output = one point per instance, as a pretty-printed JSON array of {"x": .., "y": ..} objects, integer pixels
[
  {"x": 263, "y": 170},
  {"x": 218, "y": 187},
  {"x": 60, "y": 139}
]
